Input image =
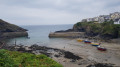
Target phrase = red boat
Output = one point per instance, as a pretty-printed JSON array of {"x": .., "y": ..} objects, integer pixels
[{"x": 101, "y": 48}]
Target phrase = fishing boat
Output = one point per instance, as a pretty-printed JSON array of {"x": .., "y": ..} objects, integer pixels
[
  {"x": 95, "y": 44},
  {"x": 79, "y": 40},
  {"x": 101, "y": 48},
  {"x": 87, "y": 41}
]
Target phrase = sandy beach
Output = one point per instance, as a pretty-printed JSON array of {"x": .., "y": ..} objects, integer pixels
[
  {"x": 71, "y": 53},
  {"x": 89, "y": 53}
]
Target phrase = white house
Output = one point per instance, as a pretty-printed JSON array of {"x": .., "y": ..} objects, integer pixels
[
  {"x": 96, "y": 18},
  {"x": 89, "y": 19},
  {"x": 101, "y": 19},
  {"x": 115, "y": 15},
  {"x": 117, "y": 21}
]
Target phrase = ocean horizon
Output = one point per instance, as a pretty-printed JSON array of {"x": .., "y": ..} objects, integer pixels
[{"x": 39, "y": 35}]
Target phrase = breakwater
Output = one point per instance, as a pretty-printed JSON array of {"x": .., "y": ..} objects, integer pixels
[
  {"x": 13, "y": 34},
  {"x": 66, "y": 34}
]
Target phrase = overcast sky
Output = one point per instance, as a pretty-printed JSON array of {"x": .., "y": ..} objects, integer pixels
[{"x": 45, "y": 12}]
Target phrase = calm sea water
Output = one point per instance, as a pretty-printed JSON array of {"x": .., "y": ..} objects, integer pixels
[{"x": 39, "y": 35}]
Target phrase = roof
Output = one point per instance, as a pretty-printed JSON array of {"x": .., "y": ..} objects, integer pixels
[{"x": 116, "y": 20}]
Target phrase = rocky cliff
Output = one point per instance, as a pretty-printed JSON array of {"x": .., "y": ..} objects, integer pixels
[
  {"x": 8, "y": 30},
  {"x": 106, "y": 30}
]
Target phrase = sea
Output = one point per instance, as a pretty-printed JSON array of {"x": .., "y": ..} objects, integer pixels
[{"x": 38, "y": 34}]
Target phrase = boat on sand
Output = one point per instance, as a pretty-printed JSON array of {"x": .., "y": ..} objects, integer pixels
[
  {"x": 80, "y": 40},
  {"x": 86, "y": 41},
  {"x": 95, "y": 44},
  {"x": 101, "y": 48}
]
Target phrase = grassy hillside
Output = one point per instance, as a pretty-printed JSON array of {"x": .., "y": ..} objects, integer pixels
[
  {"x": 106, "y": 29},
  {"x": 18, "y": 59},
  {"x": 7, "y": 27}
]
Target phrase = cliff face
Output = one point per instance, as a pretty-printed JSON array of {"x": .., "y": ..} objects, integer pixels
[
  {"x": 106, "y": 30},
  {"x": 8, "y": 30},
  {"x": 7, "y": 27}
]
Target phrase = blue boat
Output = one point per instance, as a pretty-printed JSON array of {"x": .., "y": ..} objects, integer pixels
[
  {"x": 94, "y": 45},
  {"x": 87, "y": 41}
]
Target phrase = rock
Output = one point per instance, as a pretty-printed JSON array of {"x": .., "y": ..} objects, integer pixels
[
  {"x": 69, "y": 30},
  {"x": 72, "y": 60},
  {"x": 57, "y": 56},
  {"x": 8, "y": 30},
  {"x": 101, "y": 65},
  {"x": 70, "y": 55},
  {"x": 21, "y": 49}
]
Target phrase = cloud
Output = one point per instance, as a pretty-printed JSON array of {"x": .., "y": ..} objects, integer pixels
[{"x": 34, "y": 12}]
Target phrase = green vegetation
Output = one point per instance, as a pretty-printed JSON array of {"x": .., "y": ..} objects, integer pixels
[
  {"x": 18, "y": 59},
  {"x": 105, "y": 29}
]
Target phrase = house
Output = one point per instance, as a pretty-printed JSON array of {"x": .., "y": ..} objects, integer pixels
[
  {"x": 115, "y": 15},
  {"x": 84, "y": 20},
  {"x": 117, "y": 21},
  {"x": 107, "y": 17},
  {"x": 89, "y": 19},
  {"x": 101, "y": 19},
  {"x": 96, "y": 18}
]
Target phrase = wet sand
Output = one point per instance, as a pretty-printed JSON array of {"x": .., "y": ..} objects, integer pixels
[
  {"x": 89, "y": 53},
  {"x": 71, "y": 53}
]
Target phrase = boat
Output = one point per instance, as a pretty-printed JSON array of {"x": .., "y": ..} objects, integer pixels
[
  {"x": 79, "y": 40},
  {"x": 87, "y": 41},
  {"x": 95, "y": 44},
  {"x": 101, "y": 48}
]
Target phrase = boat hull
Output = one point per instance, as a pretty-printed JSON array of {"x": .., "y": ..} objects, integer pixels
[
  {"x": 101, "y": 49},
  {"x": 87, "y": 42},
  {"x": 94, "y": 45},
  {"x": 80, "y": 40}
]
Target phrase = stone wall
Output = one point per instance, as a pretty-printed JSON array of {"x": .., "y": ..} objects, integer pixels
[
  {"x": 13, "y": 34},
  {"x": 66, "y": 34}
]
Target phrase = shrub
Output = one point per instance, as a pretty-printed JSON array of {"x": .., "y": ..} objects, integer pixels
[{"x": 16, "y": 59}]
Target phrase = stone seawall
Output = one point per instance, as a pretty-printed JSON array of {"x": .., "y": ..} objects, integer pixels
[
  {"x": 13, "y": 34},
  {"x": 66, "y": 34}
]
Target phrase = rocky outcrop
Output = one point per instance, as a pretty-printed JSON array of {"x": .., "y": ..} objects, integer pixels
[
  {"x": 69, "y": 30},
  {"x": 7, "y": 27},
  {"x": 91, "y": 28},
  {"x": 8, "y": 30},
  {"x": 103, "y": 26},
  {"x": 105, "y": 30}
]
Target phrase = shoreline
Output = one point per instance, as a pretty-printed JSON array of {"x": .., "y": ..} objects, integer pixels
[
  {"x": 88, "y": 53},
  {"x": 82, "y": 36}
]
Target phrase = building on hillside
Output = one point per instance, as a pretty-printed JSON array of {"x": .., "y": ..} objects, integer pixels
[
  {"x": 117, "y": 21},
  {"x": 115, "y": 15},
  {"x": 90, "y": 19},
  {"x": 84, "y": 20},
  {"x": 101, "y": 19},
  {"x": 107, "y": 17},
  {"x": 96, "y": 18}
]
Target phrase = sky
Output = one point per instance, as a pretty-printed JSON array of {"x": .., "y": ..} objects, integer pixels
[{"x": 52, "y": 12}]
